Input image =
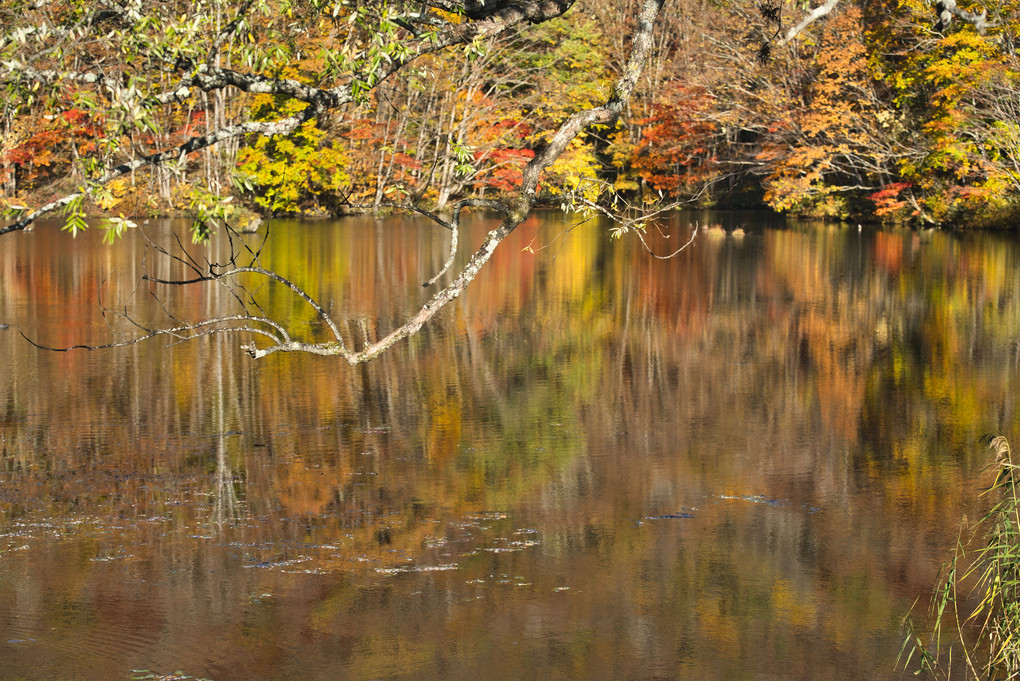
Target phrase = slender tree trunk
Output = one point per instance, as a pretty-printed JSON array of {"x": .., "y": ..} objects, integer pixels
[
  {"x": 448, "y": 163},
  {"x": 380, "y": 184}
]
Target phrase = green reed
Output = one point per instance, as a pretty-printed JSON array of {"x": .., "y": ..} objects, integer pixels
[{"x": 975, "y": 607}]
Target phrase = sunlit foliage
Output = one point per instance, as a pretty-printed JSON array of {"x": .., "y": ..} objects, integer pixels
[
  {"x": 867, "y": 113},
  {"x": 293, "y": 174}
]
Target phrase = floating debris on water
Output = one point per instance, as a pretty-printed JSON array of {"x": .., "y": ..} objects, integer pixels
[
  {"x": 434, "y": 542},
  {"x": 279, "y": 563},
  {"x": 417, "y": 568},
  {"x": 488, "y": 515},
  {"x": 518, "y": 545},
  {"x": 145, "y": 674},
  {"x": 669, "y": 516},
  {"x": 107, "y": 559},
  {"x": 755, "y": 499}
]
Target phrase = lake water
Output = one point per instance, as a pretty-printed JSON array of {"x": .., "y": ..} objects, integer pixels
[{"x": 747, "y": 462}]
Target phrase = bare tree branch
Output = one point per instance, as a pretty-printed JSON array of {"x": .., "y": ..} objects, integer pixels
[
  {"x": 947, "y": 9},
  {"x": 455, "y": 228},
  {"x": 269, "y": 274},
  {"x": 675, "y": 253},
  {"x": 182, "y": 333},
  {"x": 810, "y": 18}
]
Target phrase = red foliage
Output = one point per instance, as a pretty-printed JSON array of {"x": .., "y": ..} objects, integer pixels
[
  {"x": 503, "y": 167},
  {"x": 191, "y": 129},
  {"x": 519, "y": 129},
  {"x": 887, "y": 199},
  {"x": 74, "y": 115},
  {"x": 407, "y": 162},
  {"x": 82, "y": 123},
  {"x": 44, "y": 153},
  {"x": 36, "y": 149},
  {"x": 362, "y": 129},
  {"x": 674, "y": 148}
]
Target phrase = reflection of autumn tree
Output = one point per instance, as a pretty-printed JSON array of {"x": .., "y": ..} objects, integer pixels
[
  {"x": 965, "y": 321},
  {"x": 834, "y": 323}
]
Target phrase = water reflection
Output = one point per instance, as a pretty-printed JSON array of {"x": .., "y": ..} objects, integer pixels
[{"x": 743, "y": 463}]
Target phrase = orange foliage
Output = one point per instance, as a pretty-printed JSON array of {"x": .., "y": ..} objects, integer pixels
[{"x": 834, "y": 137}]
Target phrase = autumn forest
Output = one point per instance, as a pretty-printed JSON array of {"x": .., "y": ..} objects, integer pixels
[{"x": 879, "y": 110}]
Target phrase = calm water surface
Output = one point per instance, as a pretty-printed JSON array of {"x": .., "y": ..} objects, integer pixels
[{"x": 743, "y": 463}]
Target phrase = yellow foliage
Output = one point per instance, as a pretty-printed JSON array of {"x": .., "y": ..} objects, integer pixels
[
  {"x": 575, "y": 172},
  {"x": 291, "y": 173},
  {"x": 115, "y": 193}
]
